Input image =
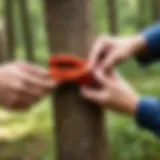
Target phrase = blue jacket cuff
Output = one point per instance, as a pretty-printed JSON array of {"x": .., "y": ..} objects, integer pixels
[
  {"x": 152, "y": 36},
  {"x": 148, "y": 114}
]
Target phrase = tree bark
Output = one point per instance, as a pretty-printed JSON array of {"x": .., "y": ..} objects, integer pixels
[
  {"x": 112, "y": 14},
  {"x": 79, "y": 123},
  {"x": 27, "y": 35},
  {"x": 9, "y": 25}
]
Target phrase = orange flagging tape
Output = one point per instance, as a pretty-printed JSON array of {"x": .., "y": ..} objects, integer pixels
[{"x": 67, "y": 68}]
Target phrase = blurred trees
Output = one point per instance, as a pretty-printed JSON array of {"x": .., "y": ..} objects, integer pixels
[
  {"x": 156, "y": 10},
  {"x": 10, "y": 34},
  {"x": 27, "y": 32},
  {"x": 3, "y": 42},
  {"x": 112, "y": 16},
  {"x": 11, "y": 19},
  {"x": 142, "y": 11}
]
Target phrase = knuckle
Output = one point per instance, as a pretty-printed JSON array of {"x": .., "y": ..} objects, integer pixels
[{"x": 19, "y": 87}]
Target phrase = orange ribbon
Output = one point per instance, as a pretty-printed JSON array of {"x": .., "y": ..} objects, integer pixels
[{"x": 67, "y": 68}]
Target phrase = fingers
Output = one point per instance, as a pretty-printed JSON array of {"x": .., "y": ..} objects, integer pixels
[
  {"x": 23, "y": 85},
  {"x": 34, "y": 80},
  {"x": 102, "y": 78},
  {"x": 33, "y": 69},
  {"x": 96, "y": 96},
  {"x": 31, "y": 89},
  {"x": 39, "y": 76},
  {"x": 110, "y": 61},
  {"x": 98, "y": 48}
]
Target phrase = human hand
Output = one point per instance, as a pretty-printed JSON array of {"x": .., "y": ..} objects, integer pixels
[
  {"x": 114, "y": 93},
  {"x": 115, "y": 50},
  {"x": 22, "y": 85}
]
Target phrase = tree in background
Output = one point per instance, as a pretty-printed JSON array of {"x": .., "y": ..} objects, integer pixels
[
  {"x": 112, "y": 16},
  {"x": 142, "y": 14},
  {"x": 9, "y": 25},
  {"x": 27, "y": 35},
  {"x": 3, "y": 44},
  {"x": 79, "y": 123},
  {"x": 156, "y": 10}
]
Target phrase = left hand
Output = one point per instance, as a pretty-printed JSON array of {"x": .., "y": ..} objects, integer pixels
[
  {"x": 115, "y": 93},
  {"x": 22, "y": 85}
]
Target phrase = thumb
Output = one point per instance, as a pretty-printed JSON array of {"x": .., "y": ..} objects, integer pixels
[
  {"x": 94, "y": 95},
  {"x": 112, "y": 60}
]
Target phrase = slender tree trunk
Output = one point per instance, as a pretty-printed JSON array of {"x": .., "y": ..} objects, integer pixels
[
  {"x": 79, "y": 123},
  {"x": 9, "y": 13},
  {"x": 142, "y": 14},
  {"x": 28, "y": 39},
  {"x": 156, "y": 10},
  {"x": 3, "y": 44},
  {"x": 112, "y": 15}
]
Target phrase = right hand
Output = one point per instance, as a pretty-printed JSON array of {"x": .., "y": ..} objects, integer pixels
[
  {"x": 114, "y": 93},
  {"x": 115, "y": 51},
  {"x": 21, "y": 85}
]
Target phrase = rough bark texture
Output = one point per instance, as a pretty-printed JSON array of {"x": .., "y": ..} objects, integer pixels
[
  {"x": 9, "y": 13},
  {"x": 112, "y": 14},
  {"x": 156, "y": 10},
  {"x": 24, "y": 13},
  {"x": 79, "y": 123}
]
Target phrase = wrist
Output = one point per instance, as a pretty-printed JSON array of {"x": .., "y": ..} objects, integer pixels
[
  {"x": 129, "y": 105},
  {"x": 132, "y": 105},
  {"x": 139, "y": 45}
]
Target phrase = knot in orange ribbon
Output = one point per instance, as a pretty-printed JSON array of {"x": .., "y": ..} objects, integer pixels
[{"x": 67, "y": 68}]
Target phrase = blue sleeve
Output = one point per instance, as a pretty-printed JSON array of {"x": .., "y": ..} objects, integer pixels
[
  {"x": 152, "y": 36},
  {"x": 148, "y": 115}
]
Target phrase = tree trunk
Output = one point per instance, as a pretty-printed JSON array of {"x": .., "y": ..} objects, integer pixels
[
  {"x": 79, "y": 123},
  {"x": 24, "y": 13},
  {"x": 3, "y": 43},
  {"x": 156, "y": 10},
  {"x": 9, "y": 25},
  {"x": 112, "y": 14},
  {"x": 142, "y": 14}
]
